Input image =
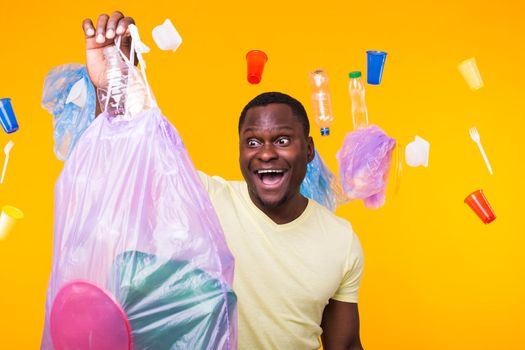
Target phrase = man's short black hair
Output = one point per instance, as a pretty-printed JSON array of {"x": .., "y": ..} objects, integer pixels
[{"x": 267, "y": 98}]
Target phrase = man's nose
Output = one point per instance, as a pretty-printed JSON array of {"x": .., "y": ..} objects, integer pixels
[{"x": 267, "y": 152}]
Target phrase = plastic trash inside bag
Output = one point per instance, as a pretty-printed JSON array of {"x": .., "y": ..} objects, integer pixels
[
  {"x": 364, "y": 164},
  {"x": 70, "y": 97},
  {"x": 194, "y": 295},
  {"x": 321, "y": 185},
  {"x": 135, "y": 231}
]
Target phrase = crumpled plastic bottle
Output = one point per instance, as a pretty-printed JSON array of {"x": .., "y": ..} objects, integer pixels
[{"x": 122, "y": 92}]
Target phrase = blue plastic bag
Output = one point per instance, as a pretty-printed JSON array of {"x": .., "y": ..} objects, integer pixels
[
  {"x": 320, "y": 184},
  {"x": 70, "y": 97}
]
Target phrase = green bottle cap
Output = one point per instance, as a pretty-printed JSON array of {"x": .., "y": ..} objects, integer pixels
[{"x": 356, "y": 74}]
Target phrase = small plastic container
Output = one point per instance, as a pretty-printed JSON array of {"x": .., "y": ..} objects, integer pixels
[
  {"x": 375, "y": 65},
  {"x": 480, "y": 205},
  {"x": 166, "y": 36},
  {"x": 10, "y": 215},
  {"x": 7, "y": 116},
  {"x": 470, "y": 72},
  {"x": 84, "y": 317},
  {"x": 417, "y": 152},
  {"x": 256, "y": 60}
]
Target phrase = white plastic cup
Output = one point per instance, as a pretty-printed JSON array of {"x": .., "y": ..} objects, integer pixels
[
  {"x": 10, "y": 215},
  {"x": 470, "y": 72},
  {"x": 166, "y": 36}
]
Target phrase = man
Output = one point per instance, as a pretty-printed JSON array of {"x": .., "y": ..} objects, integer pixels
[{"x": 298, "y": 266}]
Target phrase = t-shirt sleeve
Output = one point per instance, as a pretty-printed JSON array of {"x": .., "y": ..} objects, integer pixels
[
  {"x": 349, "y": 287},
  {"x": 205, "y": 179},
  {"x": 212, "y": 184}
]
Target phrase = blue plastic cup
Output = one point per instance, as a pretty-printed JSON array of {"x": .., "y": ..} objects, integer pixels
[
  {"x": 7, "y": 116},
  {"x": 376, "y": 63}
]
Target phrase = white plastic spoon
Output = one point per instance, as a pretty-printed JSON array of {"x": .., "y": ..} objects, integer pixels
[{"x": 7, "y": 149}]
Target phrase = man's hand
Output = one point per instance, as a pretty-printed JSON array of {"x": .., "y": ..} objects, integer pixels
[{"x": 107, "y": 29}]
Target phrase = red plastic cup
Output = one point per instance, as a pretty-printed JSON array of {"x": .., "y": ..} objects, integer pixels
[
  {"x": 256, "y": 60},
  {"x": 480, "y": 205}
]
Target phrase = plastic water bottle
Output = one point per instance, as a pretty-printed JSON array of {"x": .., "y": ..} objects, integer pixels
[
  {"x": 357, "y": 94},
  {"x": 321, "y": 103},
  {"x": 122, "y": 92}
]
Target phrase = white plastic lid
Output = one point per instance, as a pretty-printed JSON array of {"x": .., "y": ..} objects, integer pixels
[
  {"x": 166, "y": 36},
  {"x": 417, "y": 152}
]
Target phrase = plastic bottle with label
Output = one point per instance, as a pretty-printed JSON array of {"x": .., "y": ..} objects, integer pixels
[
  {"x": 357, "y": 94},
  {"x": 321, "y": 102}
]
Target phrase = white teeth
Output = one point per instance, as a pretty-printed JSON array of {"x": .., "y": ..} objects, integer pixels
[{"x": 270, "y": 171}]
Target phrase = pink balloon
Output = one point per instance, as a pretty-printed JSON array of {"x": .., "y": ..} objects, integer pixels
[{"x": 85, "y": 316}]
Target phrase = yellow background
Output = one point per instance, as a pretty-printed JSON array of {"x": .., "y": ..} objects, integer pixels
[{"x": 435, "y": 276}]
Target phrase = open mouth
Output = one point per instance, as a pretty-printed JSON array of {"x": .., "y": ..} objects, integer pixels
[{"x": 271, "y": 177}]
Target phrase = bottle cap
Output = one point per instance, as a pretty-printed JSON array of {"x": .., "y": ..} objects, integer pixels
[
  {"x": 355, "y": 74},
  {"x": 325, "y": 131}
]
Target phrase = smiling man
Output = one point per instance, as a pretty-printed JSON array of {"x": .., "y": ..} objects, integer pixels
[
  {"x": 274, "y": 153},
  {"x": 297, "y": 265}
]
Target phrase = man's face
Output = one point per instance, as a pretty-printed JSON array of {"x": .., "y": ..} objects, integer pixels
[{"x": 274, "y": 153}]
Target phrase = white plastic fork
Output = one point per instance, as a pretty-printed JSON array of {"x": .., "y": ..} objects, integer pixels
[{"x": 474, "y": 135}]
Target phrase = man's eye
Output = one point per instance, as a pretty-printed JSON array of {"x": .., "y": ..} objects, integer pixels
[
  {"x": 253, "y": 143},
  {"x": 283, "y": 141}
]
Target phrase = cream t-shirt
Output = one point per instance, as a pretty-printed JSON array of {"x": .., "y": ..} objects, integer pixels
[{"x": 285, "y": 274}]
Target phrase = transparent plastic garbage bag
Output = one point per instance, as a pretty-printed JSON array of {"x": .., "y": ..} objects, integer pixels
[
  {"x": 70, "y": 97},
  {"x": 364, "y": 164},
  {"x": 132, "y": 217},
  {"x": 134, "y": 227}
]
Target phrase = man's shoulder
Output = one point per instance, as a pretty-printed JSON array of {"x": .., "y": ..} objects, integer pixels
[
  {"x": 331, "y": 219},
  {"x": 215, "y": 185},
  {"x": 336, "y": 230}
]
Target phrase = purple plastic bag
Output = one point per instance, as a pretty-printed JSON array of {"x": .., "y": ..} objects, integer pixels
[
  {"x": 364, "y": 164},
  {"x": 133, "y": 219}
]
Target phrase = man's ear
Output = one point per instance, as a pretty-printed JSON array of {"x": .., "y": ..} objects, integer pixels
[{"x": 311, "y": 149}]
